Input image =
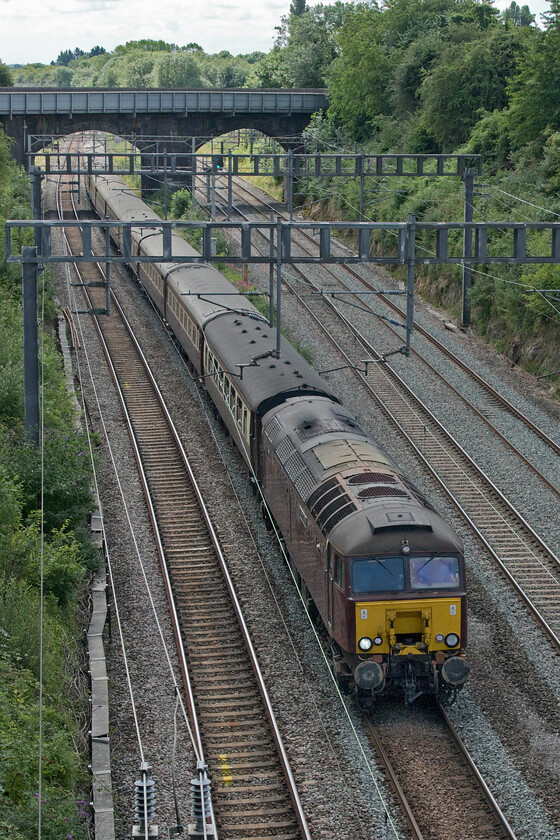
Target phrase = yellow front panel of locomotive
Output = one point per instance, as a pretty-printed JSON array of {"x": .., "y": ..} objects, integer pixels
[{"x": 427, "y": 616}]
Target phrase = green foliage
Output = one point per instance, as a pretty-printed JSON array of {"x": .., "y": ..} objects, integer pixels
[
  {"x": 551, "y": 164},
  {"x": 180, "y": 204},
  {"x": 19, "y": 760},
  {"x": 271, "y": 71},
  {"x": 176, "y": 69},
  {"x": 309, "y": 37},
  {"x": 491, "y": 137},
  {"x": 66, "y": 474},
  {"x": 357, "y": 78},
  {"x": 470, "y": 77},
  {"x": 6, "y": 79},
  {"x": 535, "y": 90},
  {"x": 518, "y": 15},
  {"x": 65, "y": 565},
  {"x": 145, "y": 45},
  {"x": 60, "y": 555}
]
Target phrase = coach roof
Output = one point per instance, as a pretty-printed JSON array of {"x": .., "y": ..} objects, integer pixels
[{"x": 248, "y": 344}]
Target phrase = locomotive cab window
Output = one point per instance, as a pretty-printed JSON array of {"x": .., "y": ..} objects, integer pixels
[
  {"x": 339, "y": 571},
  {"x": 382, "y": 574},
  {"x": 435, "y": 572}
]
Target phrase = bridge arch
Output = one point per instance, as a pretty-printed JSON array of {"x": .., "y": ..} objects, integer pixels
[{"x": 149, "y": 113}]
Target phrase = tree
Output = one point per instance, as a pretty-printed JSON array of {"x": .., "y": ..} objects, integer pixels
[
  {"x": 63, "y": 77},
  {"x": 176, "y": 70},
  {"x": 97, "y": 50},
  {"x": 535, "y": 90},
  {"x": 6, "y": 79},
  {"x": 145, "y": 44},
  {"x": 64, "y": 57},
  {"x": 311, "y": 43},
  {"x": 271, "y": 72},
  {"x": 416, "y": 62},
  {"x": 357, "y": 79},
  {"x": 518, "y": 15},
  {"x": 470, "y": 77},
  {"x": 298, "y": 7}
]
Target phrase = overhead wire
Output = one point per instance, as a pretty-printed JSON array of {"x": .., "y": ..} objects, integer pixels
[
  {"x": 139, "y": 558},
  {"x": 42, "y": 559},
  {"x": 279, "y": 541}
]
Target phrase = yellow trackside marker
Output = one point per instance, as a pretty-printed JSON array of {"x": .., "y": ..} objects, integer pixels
[{"x": 225, "y": 769}]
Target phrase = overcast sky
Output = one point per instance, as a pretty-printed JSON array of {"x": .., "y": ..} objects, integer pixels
[{"x": 38, "y": 30}]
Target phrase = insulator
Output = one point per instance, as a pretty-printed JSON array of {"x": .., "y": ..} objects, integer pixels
[
  {"x": 148, "y": 785},
  {"x": 200, "y": 794}
]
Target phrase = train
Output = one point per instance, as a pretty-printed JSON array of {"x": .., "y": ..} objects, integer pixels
[{"x": 375, "y": 562}]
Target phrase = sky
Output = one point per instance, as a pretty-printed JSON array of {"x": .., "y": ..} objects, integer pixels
[{"x": 38, "y": 30}]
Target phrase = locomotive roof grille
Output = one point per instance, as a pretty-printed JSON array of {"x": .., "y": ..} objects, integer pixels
[
  {"x": 381, "y": 490},
  {"x": 372, "y": 478},
  {"x": 324, "y": 488},
  {"x": 299, "y": 473},
  {"x": 341, "y": 503},
  {"x": 305, "y": 483},
  {"x": 337, "y": 517},
  {"x": 285, "y": 450},
  {"x": 326, "y": 499},
  {"x": 273, "y": 429}
]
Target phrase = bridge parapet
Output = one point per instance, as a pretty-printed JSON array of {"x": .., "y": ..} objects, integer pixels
[{"x": 42, "y": 101}]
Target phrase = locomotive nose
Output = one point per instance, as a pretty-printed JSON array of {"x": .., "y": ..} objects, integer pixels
[{"x": 455, "y": 670}]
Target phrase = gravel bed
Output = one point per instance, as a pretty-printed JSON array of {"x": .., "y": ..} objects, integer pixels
[
  {"x": 514, "y": 690},
  {"x": 333, "y": 765},
  {"x": 334, "y": 769},
  {"x": 508, "y": 714}
]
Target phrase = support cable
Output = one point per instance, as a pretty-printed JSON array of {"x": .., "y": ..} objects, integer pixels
[
  {"x": 71, "y": 297},
  {"x": 42, "y": 562},
  {"x": 388, "y": 817},
  {"x": 137, "y": 548},
  {"x": 523, "y": 201}
]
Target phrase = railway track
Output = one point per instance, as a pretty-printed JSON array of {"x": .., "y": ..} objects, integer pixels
[
  {"x": 529, "y": 564},
  {"x": 421, "y": 743},
  {"x": 490, "y": 398},
  {"x": 253, "y": 790},
  {"x": 211, "y": 652}
]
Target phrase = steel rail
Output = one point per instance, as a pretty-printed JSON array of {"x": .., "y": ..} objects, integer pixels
[
  {"x": 466, "y": 769},
  {"x": 199, "y": 751},
  {"x": 553, "y": 635},
  {"x": 394, "y": 783},
  {"x": 390, "y": 772},
  {"x": 294, "y": 795},
  {"x": 498, "y": 813},
  {"x": 447, "y": 352},
  {"x": 536, "y": 611},
  {"x": 491, "y": 391}
]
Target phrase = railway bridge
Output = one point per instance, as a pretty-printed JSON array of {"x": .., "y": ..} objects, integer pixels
[{"x": 154, "y": 112}]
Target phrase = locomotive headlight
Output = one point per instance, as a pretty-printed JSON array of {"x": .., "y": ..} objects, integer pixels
[
  {"x": 378, "y": 640},
  {"x": 439, "y": 638},
  {"x": 452, "y": 640},
  {"x": 365, "y": 643}
]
